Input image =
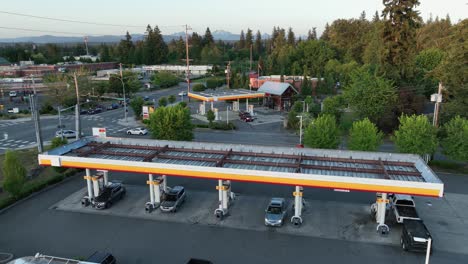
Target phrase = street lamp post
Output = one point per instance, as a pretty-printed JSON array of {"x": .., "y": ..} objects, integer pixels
[
  {"x": 300, "y": 129},
  {"x": 124, "y": 98},
  {"x": 227, "y": 114}
]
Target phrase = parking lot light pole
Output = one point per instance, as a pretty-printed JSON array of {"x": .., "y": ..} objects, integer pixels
[
  {"x": 123, "y": 87},
  {"x": 300, "y": 129},
  {"x": 227, "y": 114}
]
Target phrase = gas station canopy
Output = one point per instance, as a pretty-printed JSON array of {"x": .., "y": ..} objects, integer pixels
[
  {"x": 333, "y": 169},
  {"x": 223, "y": 95}
]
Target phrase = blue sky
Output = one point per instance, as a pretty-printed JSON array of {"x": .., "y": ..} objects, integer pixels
[{"x": 232, "y": 16}]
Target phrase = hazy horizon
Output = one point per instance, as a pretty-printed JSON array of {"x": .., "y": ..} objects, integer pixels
[{"x": 262, "y": 15}]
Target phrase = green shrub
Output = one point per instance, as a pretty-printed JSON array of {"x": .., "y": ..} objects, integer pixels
[
  {"x": 47, "y": 108},
  {"x": 199, "y": 87},
  {"x": 183, "y": 104},
  {"x": 162, "y": 101},
  {"x": 223, "y": 126},
  {"x": 171, "y": 99}
]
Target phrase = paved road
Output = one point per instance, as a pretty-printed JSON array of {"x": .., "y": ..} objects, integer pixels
[{"x": 33, "y": 227}]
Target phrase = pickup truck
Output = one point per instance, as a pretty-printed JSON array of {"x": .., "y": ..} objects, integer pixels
[
  {"x": 403, "y": 207},
  {"x": 415, "y": 236}
]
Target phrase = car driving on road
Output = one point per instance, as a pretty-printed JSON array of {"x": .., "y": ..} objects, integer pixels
[
  {"x": 183, "y": 93},
  {"x": 137, "y": 131},
  {"x": 66, "y": 133},
  {"x": 173, "y": 199},
  {"x": 275, "y": 213},
  {"x": 110, "y": 194}
]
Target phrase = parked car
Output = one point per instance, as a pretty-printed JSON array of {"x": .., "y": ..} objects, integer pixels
[
  {"x": 99, "y": 108},
  {"x": 101, "y": 258},
  {"x": 13, "y": 94},
  {"x": 275, "y": 213},
  {"x": 91, "y": 111},
  {"x": 183, "y": 93},
  {"x": 66, "y": 133},
  {"x": 110, "y": 194},
  {"x": 246, "y": 117},
  {"x": 146, "y": 98},
  {"x": 403, "y": 207},
  {"x": 83, "y": 112},
  {"x": 414, "y": 236},
  {"x": 173, "y": 199},
  {"x": 137, "y": 131}
]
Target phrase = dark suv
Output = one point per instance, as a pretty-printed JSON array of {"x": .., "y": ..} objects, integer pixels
[
  {"x": 414, "y": 236},
  {"x": 109, "y": 195},
  {"x": 101, "y": 258},
  {"x": 173, "y": 199}
]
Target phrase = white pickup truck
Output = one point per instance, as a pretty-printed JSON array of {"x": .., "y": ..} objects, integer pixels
[{"x": 403, "y": 207}]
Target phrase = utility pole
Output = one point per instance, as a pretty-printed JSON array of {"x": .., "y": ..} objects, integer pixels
[
  {"x": 250, "y": 68},
  {"x": 35, "y": 117},
  {"x": 123, "y": 87},
  {"x": 86, "y": 44},
  {"x": 228, "y": 74},
  {"x": 187, "y": 59},
  {"x": 77, "y": 109},
  {"x": 438, "y": 100}
]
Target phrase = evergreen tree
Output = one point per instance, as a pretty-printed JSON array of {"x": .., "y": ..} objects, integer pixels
[
  {"x": 248, "y": 38},
  {"x": 326, "y": 32},
  {"x": 399, "y": 35},
  {"x": 258, "y": 45},
  {"x": 291, "y": 37},
  {"x": 312, "y": 34},
  {"x": 242, "y": 40},
  {"x": 362, "y": 16},
  {"x": 125, "y": 48},
  {"x": 208, "y": 39},
  {"x": 376, "y": 17}
]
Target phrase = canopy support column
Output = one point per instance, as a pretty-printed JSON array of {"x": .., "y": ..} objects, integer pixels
[
  {"x": 382, "y": 202},
  {"x": 224, "y": 196},
  {"x": 297, "y": 219}
]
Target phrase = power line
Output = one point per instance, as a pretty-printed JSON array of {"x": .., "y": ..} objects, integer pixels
[
  {"x": 46, "y": 31},
  {"x": 79, "y": 21}
]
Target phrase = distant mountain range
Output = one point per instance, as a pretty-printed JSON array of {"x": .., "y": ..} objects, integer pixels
[{"x": 217, "y": 35}]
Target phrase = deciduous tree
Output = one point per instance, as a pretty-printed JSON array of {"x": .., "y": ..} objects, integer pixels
[
  {"x": 14, "y": 174},
  {"x": 364, "y": 135},
  {"x": 323, "y": 132},
  {"x": 415, "y": 135},
  {"x": 455, "y": 144}
]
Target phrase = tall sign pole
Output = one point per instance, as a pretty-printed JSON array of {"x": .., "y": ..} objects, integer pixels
[
  {"x": 187, "y": 59},
  {"x": 438, "y": 100},
  {"x": 77, "y": 109},
  {"x": 35, "y": 116}
]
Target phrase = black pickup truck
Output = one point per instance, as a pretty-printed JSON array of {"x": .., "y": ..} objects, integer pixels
[{"x": 415, "y": 236}]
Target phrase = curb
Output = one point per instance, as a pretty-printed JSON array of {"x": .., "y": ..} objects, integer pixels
[
  {"x": 36, "y": 194},
  {"x": 8, "y": 257}
]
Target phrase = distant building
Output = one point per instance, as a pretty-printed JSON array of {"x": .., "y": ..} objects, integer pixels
[
  {"x": 195, "y": 70},
  {"x": 296, "y": 81},
  {"x": 40, "y": 70},
  {"x": 278, "y": 95},
  {"x": 83, "y": 57}
]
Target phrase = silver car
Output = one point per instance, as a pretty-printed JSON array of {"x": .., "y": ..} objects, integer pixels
[
  {"x": 275, "y": 213},
  {"x": 173, "y": 199}
]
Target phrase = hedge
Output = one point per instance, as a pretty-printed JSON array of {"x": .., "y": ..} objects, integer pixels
[
  {"x": 199, "y": 87},
  {"x": 212, "y": 83},
  {"x": 35, "y": 186}
]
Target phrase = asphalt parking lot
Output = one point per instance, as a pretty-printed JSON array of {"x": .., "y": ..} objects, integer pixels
[
  {"x": 325, "y": 219},
  {"x": 32, "y": 226}
]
